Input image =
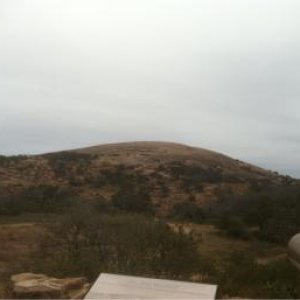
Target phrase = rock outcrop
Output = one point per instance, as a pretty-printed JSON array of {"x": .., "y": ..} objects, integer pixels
[{"x": 40, "y": 286}]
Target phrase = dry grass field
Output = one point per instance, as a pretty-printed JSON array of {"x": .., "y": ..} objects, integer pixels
[{"x": 211, "y": 241}]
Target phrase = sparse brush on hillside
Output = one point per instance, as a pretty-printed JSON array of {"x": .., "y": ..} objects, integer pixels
[
  {"x": 47, "y": 199},
  {"x": 43, "y": 198},
  {"x": 169, "y": 173},
  {"x": 67, "y": 163},
  {"x": 193, "y": 176},
  {"x": 132, "y": 200},
  {"x": 6, "y": 161}
]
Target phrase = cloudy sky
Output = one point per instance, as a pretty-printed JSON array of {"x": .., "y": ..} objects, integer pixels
[{"x": 218, "y": 74}]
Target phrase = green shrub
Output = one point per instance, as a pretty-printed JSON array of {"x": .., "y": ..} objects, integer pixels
[
  {"x": 10, "y": 203},
  {"x": 131, "y": 200},
  {"x": 275, "y": 211},
  {"x": 233, "y": 226},
  {"x": 187, "y": 211},
  {"x": 46, "y": 199}
]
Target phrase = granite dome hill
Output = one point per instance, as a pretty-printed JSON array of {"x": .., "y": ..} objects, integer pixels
[{"x": 168, "y": 173}]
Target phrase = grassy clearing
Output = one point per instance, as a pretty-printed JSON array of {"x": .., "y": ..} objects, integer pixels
[{"x": 213, "y": 243}]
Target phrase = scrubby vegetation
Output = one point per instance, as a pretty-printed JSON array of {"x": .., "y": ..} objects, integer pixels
[
  {"x": 134, "y": 200},
  {"x": 36, "y": 199},
  {"x": 273, "y": 212},
  {"x": 6, "y": 161},
  {"x": 240, "y": 275},
  {"x": 193, "y": 176},
  {"x": 233, "y": 226},
  {"x": 68, "y": 163},
  {"x": 151, "y": 219},
  {"x": 187, "y": 211},
  {"x": 88, "y": 243},
  {"x": 47, "y": 199}
]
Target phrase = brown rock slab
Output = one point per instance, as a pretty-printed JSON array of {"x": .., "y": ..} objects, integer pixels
[{"x": 40, "y": 286}]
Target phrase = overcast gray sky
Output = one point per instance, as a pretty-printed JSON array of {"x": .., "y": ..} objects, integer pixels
[{"x": 218, "y": 74}]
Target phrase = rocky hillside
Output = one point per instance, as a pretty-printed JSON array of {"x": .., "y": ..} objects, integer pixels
[{"x": 166, "y": 173}]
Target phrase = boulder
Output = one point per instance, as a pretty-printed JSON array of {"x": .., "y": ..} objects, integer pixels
[
  {"x": 294, "y": 250},
  {"x": 40, "y": 286}
]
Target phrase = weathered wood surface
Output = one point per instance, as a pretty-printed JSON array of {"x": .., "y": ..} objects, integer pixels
[{"x": 109, "y": 286}]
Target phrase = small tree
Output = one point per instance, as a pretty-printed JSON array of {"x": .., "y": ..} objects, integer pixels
[
  {"x": 131, "y": 200},
  {"x": 233, "y": 226},
  {"x": 187, "y": 211},
  {"x": 46, "y": 198}
]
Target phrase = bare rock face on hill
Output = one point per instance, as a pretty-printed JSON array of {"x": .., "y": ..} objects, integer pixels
[{"x": 40, "y": 286}]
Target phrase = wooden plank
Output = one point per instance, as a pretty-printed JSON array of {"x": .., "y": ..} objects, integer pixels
[{"x": 109, "y": 286}]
